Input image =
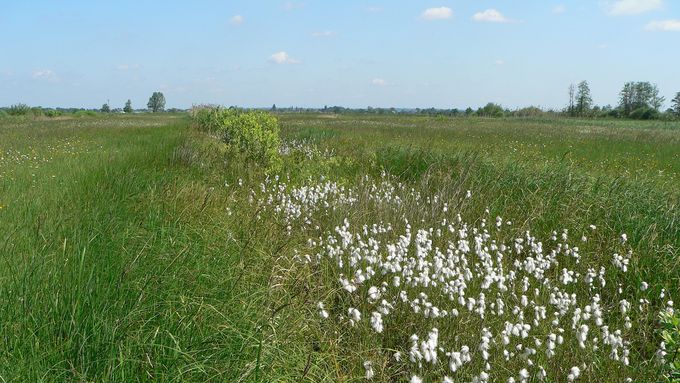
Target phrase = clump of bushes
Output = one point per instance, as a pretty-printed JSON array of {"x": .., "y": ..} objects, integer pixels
[
  {"x": 52, "y": 113},
  {"x": 491, "y": 110},
  {"x": 644, "y": 113},
  {"x": 254, "y": 134},
  {"x": 18, "y": 110}
]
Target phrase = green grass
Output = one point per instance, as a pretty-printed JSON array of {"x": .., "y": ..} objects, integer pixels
[
  {"x": 109, "y": 270},
  {"x": 131, "y": 253},
  {"x": 612, "y": 147}
]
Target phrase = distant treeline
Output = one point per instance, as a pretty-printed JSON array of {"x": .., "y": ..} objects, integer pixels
[
  {"x": 156, "y": 104},
  {"x": 637, "y": 100},
  {"x": 490, "y": 110},
  {"x": 37, "y": 111}
]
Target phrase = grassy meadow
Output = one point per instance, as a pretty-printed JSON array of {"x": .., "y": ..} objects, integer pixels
[{"x": 380, "y": 248}]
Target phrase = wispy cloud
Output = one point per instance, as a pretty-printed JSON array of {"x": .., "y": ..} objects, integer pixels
[
  {"x": 632, "y": 7},
  {"x": 663, "y": 25},
  {"x": 374, "y": 9},
  {"x": 491, "y": 16},
  {"x": 440, "y": 13},
  {"x": 126, "y": 67},
  {"x": 378, "y": 82},
  {"x": 558, "y": 9},
  {"x": 45, "y": 75},
  {"x": 499, "y": 62},
  {"x": 323, "y": 34},
  {"x": 283, "y": 58},
  {"x": 236, "y": 20},
  {"x": 292, "y": 5}
]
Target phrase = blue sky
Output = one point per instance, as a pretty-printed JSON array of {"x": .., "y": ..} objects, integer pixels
[{"x": 401, "y": 53}]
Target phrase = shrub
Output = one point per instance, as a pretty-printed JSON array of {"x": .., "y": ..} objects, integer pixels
[
  {"x": 644, "y": 113},
  {"x": 252, "y": 133},
  {"x": 52, "y": 113},
  {"x": 207, "y": 118},
  {"x": 669, "y": 353},
  {"x": 531, "y": 111},
  {"x": 18, "y": 110},
  {"x": 491, "y": 110},
  {"x": 36, "y": 111}
]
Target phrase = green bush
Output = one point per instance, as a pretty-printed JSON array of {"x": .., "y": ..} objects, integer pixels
[
  {"x": 3, "y": 113},
  {"x": 670, "y": 333},
  {"x": 18, "y": 110},
  {"x": 207, "y": 118},
  {"x": 52, "y": 113},
  {"x": 644, "y": 113},
  {"x": 254, "y": 134},
  {"x": 36, "y": 111},
  {"x": 531, "y": 111},
  {"x": 491, "y": 110}
]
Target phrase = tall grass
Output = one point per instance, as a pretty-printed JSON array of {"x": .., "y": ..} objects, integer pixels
[{"x": 135, "y": 249}]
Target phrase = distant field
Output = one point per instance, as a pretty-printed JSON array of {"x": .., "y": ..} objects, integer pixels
[
  {"x": 614, "y": 147},
  {"x": 135, "y": 248}
]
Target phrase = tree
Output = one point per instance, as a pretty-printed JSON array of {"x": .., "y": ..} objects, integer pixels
[
  {"x": 105, "y": 108},
  {"x": 675, "y": 108},
  {"x": 274, "y": 108},
  {"x": 128, "y": 107},
  {"x": 570, "y": 107},
  {"x": 156, "y": 102},
  {"x": 626, "y": 98},
  {"x": 639, "y": 95},
  {"x": 491, "y": 110},
  {"x": 583, "y": 98}
]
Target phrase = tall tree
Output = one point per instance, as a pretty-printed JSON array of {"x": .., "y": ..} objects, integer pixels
[
  {"x": 637, "y": 95},
  {"x": 156, "y": 102},
  {"x": 583, "y": 99},
  {"x": 626, "y": 98},
  {"x": 128, "y": 107},
  {"x": 105, "y": 108},
  {"x": 675, "y": 108},
  {"x": 572, "y": 94}
]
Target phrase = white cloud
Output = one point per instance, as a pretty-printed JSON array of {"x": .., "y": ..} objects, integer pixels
[
  {"x": 632, "y": 7},
  {"x": 561, "y": 8},
  {"x": 46, "y": 74},
  {"x": 374, "y": 9},
  {"x": 236, "y": 20},
  {"x": 440, "y": 13},
  {"x": 323, "y": 34},
  {"x": 125, "y": 67},
  {"x": 283, "y": 58},
  {"x": 491, "y": 16},
  {"x": 663, "y": 25},
  {"x": 378, "y": 82},
  {"x": 291, "y": 5},
  {"x": 500, "y": 62},
  {"x": 603, "y": 46}
]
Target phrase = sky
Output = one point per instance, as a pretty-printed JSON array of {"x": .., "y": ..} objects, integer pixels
[{"x": 311, "y": 53}]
